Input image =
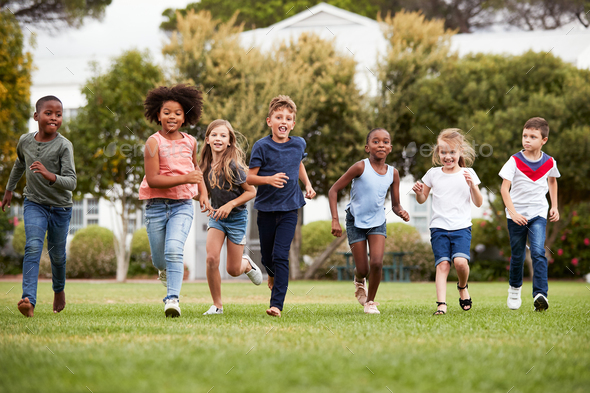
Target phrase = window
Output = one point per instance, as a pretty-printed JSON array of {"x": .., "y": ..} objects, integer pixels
[
  {"x": 131, "y": 226},
  {"x": 92, "y": 221},
  {"x": 421, "y": 224},
  {"x": 92, "y": 204},
  {"x": 419, "y": 208},
  {"x": 77, "y": 220}
]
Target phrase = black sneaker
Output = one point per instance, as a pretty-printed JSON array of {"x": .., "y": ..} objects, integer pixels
[{"x": 541, "y": 303}]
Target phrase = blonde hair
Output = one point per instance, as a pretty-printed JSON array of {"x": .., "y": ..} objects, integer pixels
[
  {"x": 280, "y": 102},
  {"x": 234, "y": 153},
  {"x": 456, "y": 139}
]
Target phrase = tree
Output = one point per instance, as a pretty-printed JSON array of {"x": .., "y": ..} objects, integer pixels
[
  {"x": 240, "y": 82},
  {"x": 15, "y": 83},
  {"x": 55, "y": 13},
  {"x": 109, "y": 135},
  {"x": 546, "y": 14}
]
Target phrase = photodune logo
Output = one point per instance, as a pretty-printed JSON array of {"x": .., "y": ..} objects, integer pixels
[
  {"x": 426, "y": 150},
  {"x": 110, "y": 150},
  {"x": 138, "y": 150}
]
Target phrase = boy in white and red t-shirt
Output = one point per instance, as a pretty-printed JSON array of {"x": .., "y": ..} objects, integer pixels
[{"x": 528, "y": 175}]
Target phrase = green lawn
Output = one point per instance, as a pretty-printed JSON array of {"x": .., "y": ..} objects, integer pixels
[{"x": 115, "y": 338}]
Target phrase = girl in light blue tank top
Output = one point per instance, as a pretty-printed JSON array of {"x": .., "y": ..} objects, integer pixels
[{"x": 371, "y": 178}]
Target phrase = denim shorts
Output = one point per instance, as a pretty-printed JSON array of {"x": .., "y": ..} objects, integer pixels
[
  {"x": 234, "y": 226},
  {"x": 355, "y": 234},
  {"x": 448, "y": 245}
]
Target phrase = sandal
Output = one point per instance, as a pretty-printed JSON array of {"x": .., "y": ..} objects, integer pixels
[
  {"x": 440, "y": 312},
  {"x": 464, "y": 302}
]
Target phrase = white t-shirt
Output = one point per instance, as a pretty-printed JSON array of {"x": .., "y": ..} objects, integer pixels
[
  {"x": 451, "y": 198},
  {"x": 529, "y": 183}
]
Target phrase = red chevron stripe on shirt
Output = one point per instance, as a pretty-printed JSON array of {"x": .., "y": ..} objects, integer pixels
[{"x": 532, "y": 174}]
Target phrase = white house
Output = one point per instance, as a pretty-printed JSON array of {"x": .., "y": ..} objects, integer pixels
[{"x": 62, "y": 69}]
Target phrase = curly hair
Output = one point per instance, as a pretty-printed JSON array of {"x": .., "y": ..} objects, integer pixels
[
  {"x": 454, "y": 138},
  {"x": 188, "y": 97}
]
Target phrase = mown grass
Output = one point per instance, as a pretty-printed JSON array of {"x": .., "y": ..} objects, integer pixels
[{"x": 115, "y": 338}]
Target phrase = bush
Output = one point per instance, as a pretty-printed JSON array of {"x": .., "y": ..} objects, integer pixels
[
  {"x": 571, "y": 250},
  {"x": 315, "y": 237},
  {"x": 140, "y": 263},
  {"x": 19, "y": 238},
  {"x": 92, "y": 253},
  {"x": 406, "y": 238}
]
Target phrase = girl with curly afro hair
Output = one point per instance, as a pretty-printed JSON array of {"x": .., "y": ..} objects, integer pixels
[{"x": 172, "y": 179}]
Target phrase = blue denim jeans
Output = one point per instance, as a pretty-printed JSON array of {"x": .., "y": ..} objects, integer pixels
[
  {"x": 168, "y": 223},
  {"x": 535, "y": 231},
  {"x": 39, "y": 220},
  {"x": 276, "y": 231}
]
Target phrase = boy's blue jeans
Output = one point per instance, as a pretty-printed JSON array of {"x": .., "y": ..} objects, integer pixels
[
  {"x": 276, "y": 231},
  {"x": 39, "y": 220},
  {"x": 168, "y": 223},
  {"x": 535, "y": 231}
]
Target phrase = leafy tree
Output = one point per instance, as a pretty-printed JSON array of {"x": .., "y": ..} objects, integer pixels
[
  {"x": 109, "y": 134},
  {"x": 240, "y": 83},
  {"x": 15, "y": 83},
  {"x": 546, "y": 14},
  {"x": 55, "y": 13}
]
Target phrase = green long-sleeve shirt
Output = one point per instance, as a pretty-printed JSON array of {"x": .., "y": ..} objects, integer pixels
[{"x": 57, "y": 156}]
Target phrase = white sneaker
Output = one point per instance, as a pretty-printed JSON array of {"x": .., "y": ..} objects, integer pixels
[
  {"x": 162, "y": 277},
  {"x": 360, "y": 291},
  {"x": 172, "y": 309},
  {"x": 371, "y": 308},
  {"x": 213, "y": 310},
  {"x": 255, "y": 275},
  {"x": 541, "y": 303},
  {"x": 514, "y": 301}
]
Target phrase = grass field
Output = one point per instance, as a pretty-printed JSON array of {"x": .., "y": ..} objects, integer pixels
[{"x": 115, "y": 338}]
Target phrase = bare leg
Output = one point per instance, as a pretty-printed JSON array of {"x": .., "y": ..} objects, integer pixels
[
  {"x": 361, "y": 262},
  {"x": 376, "y": 249},
  {"x": 25, "y": 307},
  {"x": 462, "y": 267},
  {"x": 215, "y": 239},
  {"x": 236, "y": 265},
  {"x": 59, "y": 301},
  {"x": 442, "y": 272},
  {"x": 271, "y": 282}
]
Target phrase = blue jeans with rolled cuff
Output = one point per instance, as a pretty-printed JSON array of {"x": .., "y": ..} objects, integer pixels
[
  {"x": 168, "y": 222},
  {"x": 41, "y": 220},
  {"x": 534, "y": 230}
]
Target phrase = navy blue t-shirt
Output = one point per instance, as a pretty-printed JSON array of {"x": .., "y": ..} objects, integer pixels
[{"x": 272, "y": 158}]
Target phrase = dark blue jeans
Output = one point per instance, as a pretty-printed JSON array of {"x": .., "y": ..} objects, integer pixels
[
  {"x": 534, "y": 230},
  {"x": 55, "y": 221},
  {"x": 276, "y": 231}
]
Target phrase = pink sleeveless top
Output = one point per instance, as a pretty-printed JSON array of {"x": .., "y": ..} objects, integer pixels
[{"x": 176, "y": 158}]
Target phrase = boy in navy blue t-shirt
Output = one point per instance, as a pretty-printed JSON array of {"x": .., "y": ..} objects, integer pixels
[{"x": 276, "y": 167}]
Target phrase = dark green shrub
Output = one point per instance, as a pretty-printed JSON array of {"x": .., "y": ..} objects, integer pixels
[
  {"x": 92, "y": 253},
  {"x": 140, "y": 263},
  {"x": 406, "y": 238}
]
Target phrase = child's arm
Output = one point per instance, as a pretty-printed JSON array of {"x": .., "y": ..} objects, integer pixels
[
  {"x": 16, "y": 173},
  {"x": 277, "y": 180},
  {"x": 476, "y": 196},
  {"x": 152, "y": 170},
  {"x": 422, "y": 191},
  {"x": 354, "y": 171},
  {"x": 554, "y": 212},
  {"x": 309, "y": 191},
  {"x": 396, "y": 207},
  {"x": 223, "y": 211},
  {"x": 66, "y": 180},
  {"x": 505, "y": 191}
]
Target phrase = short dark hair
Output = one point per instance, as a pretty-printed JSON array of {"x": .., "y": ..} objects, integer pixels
[
  {"x": 538, "y": 123},
  {"x": 45, "y": 99},
  {"x": 187, "y": 96},
  {"x": 373, "y": 130}
]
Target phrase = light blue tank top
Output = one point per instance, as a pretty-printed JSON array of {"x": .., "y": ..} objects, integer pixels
[{"x": 367, "y": 196}]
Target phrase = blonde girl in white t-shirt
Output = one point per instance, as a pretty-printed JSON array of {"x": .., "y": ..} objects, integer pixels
[{"x": 453, "y": 187}]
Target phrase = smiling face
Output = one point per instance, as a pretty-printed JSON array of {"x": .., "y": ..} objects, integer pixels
[
  {"x": 219, "y": 139},
  {"x": 379, "y": 144},
  {"x": 281, "y": 122},
  {"x": 449, "y": 155},
  {"x": 171, "y": 116},
  {"x": 49, "y": 117},
  {"x": 532, "y": 140}
]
